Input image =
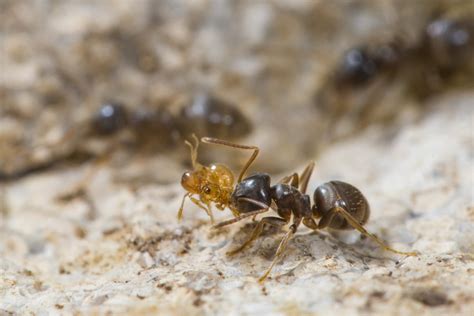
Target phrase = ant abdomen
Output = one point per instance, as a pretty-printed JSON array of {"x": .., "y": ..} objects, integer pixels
[
  {"x": 210, "y": 116},
  {"x": 255, "y": 187},
  {"x": 338, "y": 194}
]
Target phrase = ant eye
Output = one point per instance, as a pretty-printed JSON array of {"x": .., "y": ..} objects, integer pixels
[{"x": 206, "y": 190}]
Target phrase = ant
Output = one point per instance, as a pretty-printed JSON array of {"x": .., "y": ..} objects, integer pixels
[
  {"x": 204, "y": 114},
  {"x": 209, "y": 115},
  {"x": 439, "y": 58},
  {"x": 155, "y": 129},
  {"x": 149, "y": 127},
  {"x": 142, "y": 129},
  {"x": 337, "y": 205}
]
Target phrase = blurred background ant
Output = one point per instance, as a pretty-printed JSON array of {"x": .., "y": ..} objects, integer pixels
[
  {"x": 204, "y": 115},
  {"x": 143, "y": 130},
  {"x": 149, "y": 131},
  {"x": 356, "y": 92}
]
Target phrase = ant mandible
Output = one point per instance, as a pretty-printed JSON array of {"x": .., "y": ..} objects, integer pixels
[{"x": 337, "y": 205}]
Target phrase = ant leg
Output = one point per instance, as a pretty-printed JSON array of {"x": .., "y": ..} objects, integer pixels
[
  {"x": 275, "y": 221},
  {"x": 305, "y": 176},
  {"x": 263, "y": 208},
  {"x": 293, "y": 180},
  {"x": 281, "y": 248},
  {"x": 180, "y": 211},
  {"x": 79, "y": 188},
  {"x": 204, "y": 207},
  {"x": 326, "y": 219},
  {"x": 193, "y": 149},
  {"x": 354, "y": 223},
  {"x": 302, "y": 180},
  {"x": 239, "y": 218},
  {"x": 211, "y": 140},
  {"x": 310, "y": 223}
]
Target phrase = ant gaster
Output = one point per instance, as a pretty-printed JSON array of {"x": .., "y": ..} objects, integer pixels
[{"x": 337, "y": 205}]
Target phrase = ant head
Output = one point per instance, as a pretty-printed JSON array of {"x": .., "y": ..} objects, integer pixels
[
  {"x": 213, "y": 183},
  {"x": 191, "y": 182},
  {"x": 208, "y": 182}
]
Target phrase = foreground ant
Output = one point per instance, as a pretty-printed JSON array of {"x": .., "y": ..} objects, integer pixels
[{"x": 337, "y": 205}]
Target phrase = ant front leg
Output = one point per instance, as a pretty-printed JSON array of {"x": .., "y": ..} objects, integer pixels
[
  {"x": 275, "y": 221},
  {"x": 216, "y": 141},
  {"x": 326, "y": 220},
  {"x": 180, "y": 211},
  {"x": 264, "y": 208},
  {"x": 206, "y": 208}
]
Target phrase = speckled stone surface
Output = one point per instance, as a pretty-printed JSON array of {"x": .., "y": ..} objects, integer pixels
[
  {"x": 131, "y": 255},
  {"x": 120, "y": 249}
]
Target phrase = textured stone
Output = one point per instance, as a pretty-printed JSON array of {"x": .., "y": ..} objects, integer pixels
[{"x": 135, "y": 257}]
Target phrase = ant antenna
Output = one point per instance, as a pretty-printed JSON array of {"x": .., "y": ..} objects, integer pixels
[
  {"x": 193, "y": 149},
  {"x": 210, "y": 140}
]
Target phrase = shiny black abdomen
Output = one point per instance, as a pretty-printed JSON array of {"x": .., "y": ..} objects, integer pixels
[
  {"x": 255, "y": 187},
  {"x": 340, "y": 194}
]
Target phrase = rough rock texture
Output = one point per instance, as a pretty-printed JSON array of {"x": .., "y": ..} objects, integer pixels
[
  {"x": 118, "y": 247},
  {"x": 61, "y": 59},
  {"x": 131, "y": 255}
]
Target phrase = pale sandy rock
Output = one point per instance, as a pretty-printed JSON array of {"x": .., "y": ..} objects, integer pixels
[{"x": 134, "y": 257}]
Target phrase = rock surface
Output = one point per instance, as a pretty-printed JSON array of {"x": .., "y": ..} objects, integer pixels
[
  {"x": 118, "y": 248},
  {"x": 132, "y": 256}
]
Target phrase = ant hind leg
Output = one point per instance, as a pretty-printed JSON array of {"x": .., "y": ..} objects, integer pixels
[{"x": 354, "y": 223}]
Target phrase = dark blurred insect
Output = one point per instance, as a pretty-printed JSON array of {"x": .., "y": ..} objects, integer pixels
[
  {"x": 362, "y": 64},
  {"x": 208, "y": 115},
  {"x": 337, "y": 205},
  {"x": 204, "y": 115},
  {"x": 445, "y": 57},
  {"x": 147, "y": 126},
  {"x": 145, "y": 129},
  {"x": 355, "y": 93},
  {"x": 444, "y": 47}
]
